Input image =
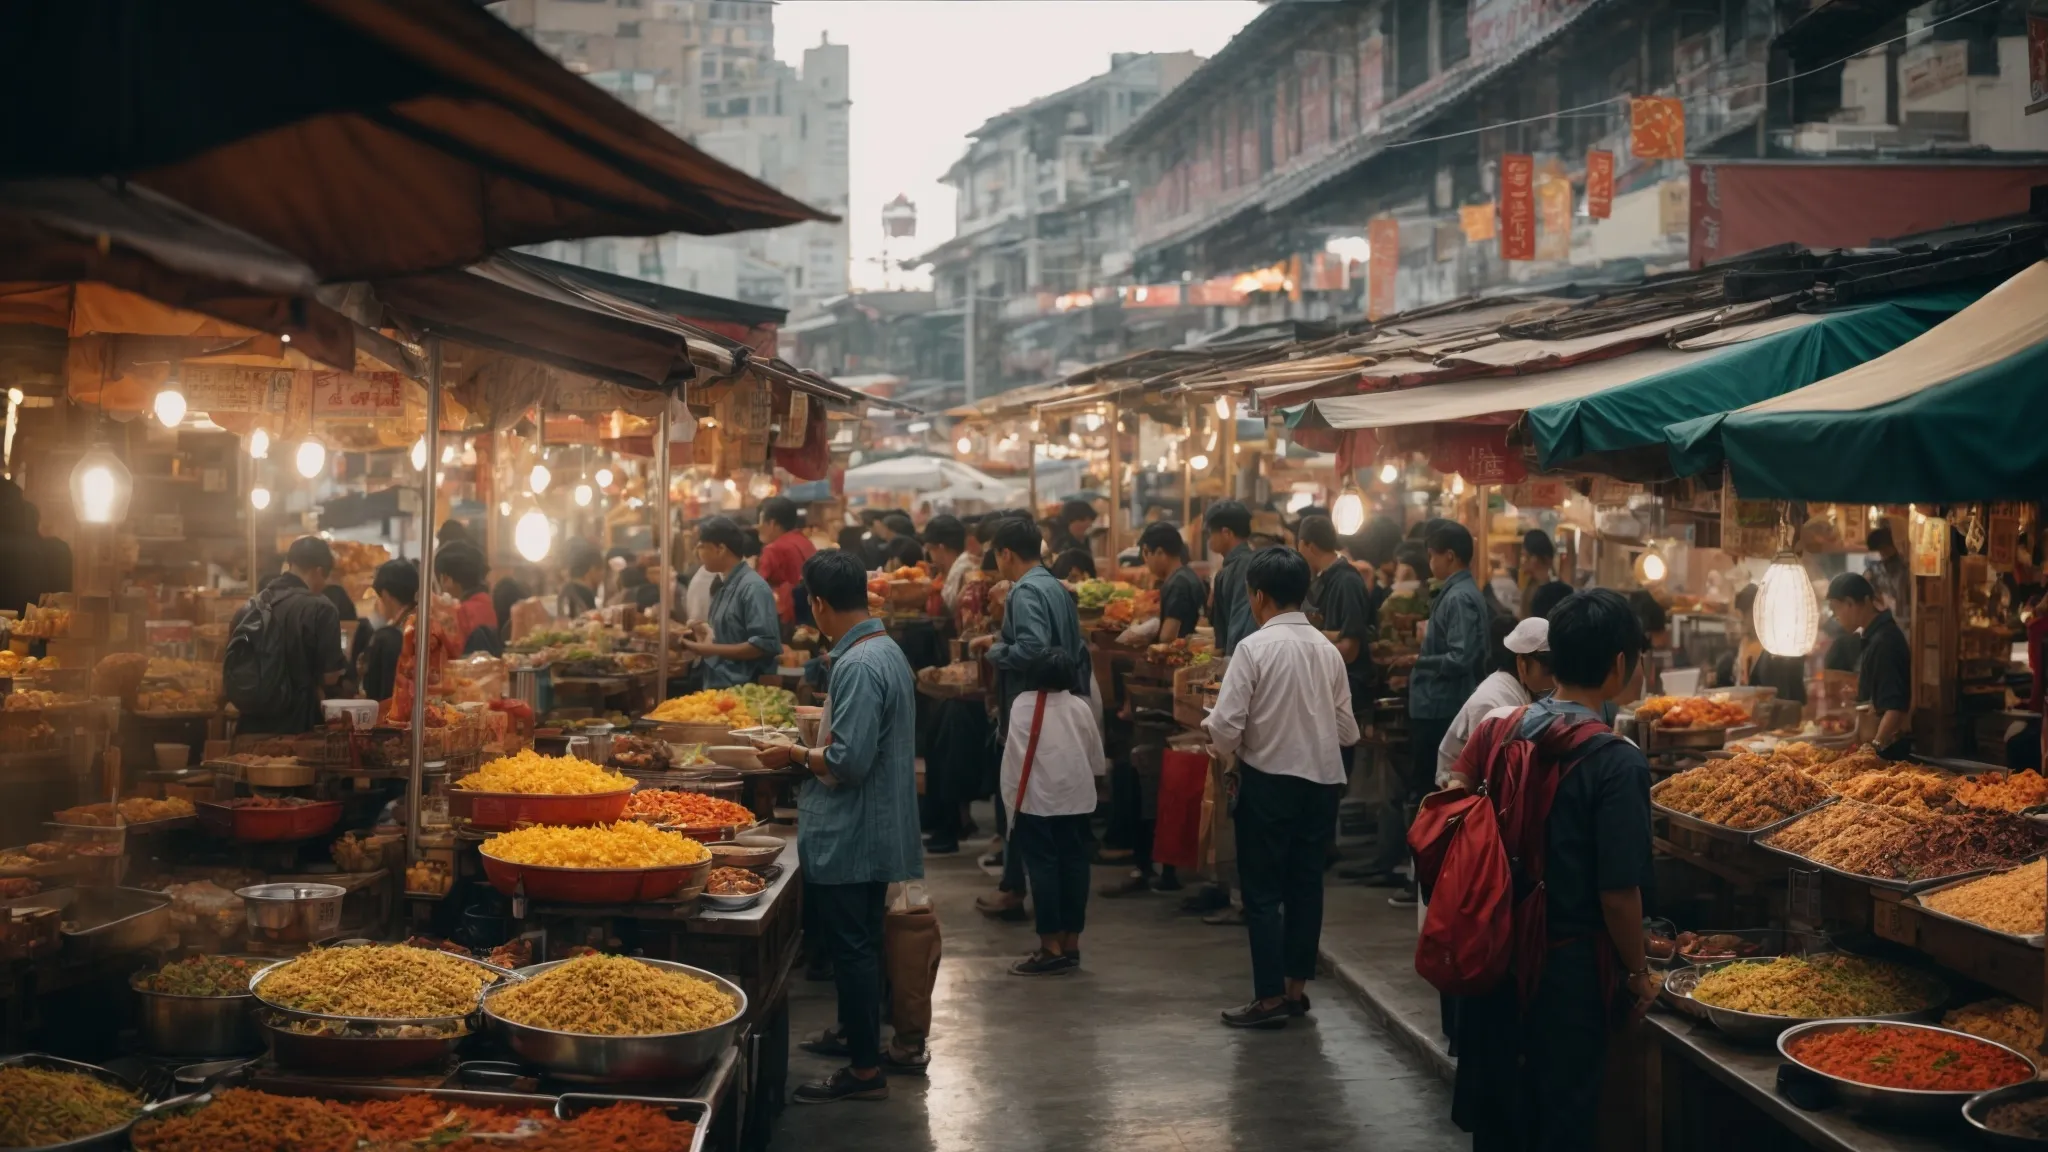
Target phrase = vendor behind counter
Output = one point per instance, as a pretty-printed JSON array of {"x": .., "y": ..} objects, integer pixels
[{"x": 1884, "y": 674}]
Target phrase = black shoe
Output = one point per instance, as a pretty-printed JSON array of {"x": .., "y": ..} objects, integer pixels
[
  {"x": 1406, "y": 898},
  {"x": 1167, "y": 882},
  {"x": 1210, "y": 898},
  {"x": 969, "y": 829},
  {"x": 1298, "y": 1007},
  {"x": 1042, "y": 963},
  {"x": 830, "y": 1043},
  {"x": 916, "y": 1063},
  {"x": 941, "y": 847},
  {"x": 1253, "y": 1016},
  {"x": 842, "y": 1085}
]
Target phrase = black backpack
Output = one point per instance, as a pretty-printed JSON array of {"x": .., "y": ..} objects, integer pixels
[{"x": 259, "y": 672}]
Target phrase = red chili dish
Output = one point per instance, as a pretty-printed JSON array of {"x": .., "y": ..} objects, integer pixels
[{"x": 1918, "y": 1059}]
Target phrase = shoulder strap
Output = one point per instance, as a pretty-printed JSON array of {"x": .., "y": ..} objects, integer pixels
[{"x": 1030, "y": 751}]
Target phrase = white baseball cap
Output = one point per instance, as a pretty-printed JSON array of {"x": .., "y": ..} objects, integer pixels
[{"x": 1531, "y": 635}]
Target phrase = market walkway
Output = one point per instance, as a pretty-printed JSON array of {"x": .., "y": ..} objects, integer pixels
[{"x": 1126, "y": 1055}]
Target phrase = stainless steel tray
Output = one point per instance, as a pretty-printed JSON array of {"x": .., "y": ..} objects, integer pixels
[
  {"x": 1733, "y": 835},
  {"x": 114, "y": 920},
  {"x": 501, "y": 975},
  {"x": 1891, "y": 1103},
  {"x": 1908, "y": 887},
  {"x": 116, "y": 1137},
  {"x": 2036, "y": 940},
  {"x": 1679, "y": 985}
]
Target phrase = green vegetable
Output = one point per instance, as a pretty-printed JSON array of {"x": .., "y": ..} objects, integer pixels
[{"x": 200, "y": 976}]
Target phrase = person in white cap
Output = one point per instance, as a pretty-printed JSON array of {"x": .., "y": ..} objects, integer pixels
[{"x": 1521, "y": 673}]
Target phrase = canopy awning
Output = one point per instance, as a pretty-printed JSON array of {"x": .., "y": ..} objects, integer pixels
[
  {"x": 1953, "y": 415},
  {"x": 370, "y": 138},
  {"x": 1804, "y": 349}
]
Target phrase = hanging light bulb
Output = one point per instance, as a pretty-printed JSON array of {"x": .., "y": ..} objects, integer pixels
[
  {"x": 604, "y": 477},
  {"x": 259, "y": 445},
  {"x": 170, "y": 404},
  {"x": 731, "y": 485},
  {"x": 1199, "y": 463},
  {"x": 964, "y": 445},
  {"x": 1223, "y": 407},
  {"x": 1347, "y": 515},
  {"x": 1787, "y": 616},
  {"x": 1390, "y": 473},
  {"x": 419, "y": 454},
  {"x": 259, "y": 498},
  {"x": 310, "y": 458},
  {"x": 539, "y": 478},
  {"x": 1457, "y": 484},
  {"x": 583, "y": 495},
  {"x": 533, "y": 536},
  {"x": 447, "y": 453},
  {"x": 100, "y": 486},
  {"x": 504, "y": 507},
  {"x": 1650, "y": 566}
]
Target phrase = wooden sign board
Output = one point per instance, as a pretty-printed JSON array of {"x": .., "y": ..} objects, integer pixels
[
  {"x": 358, "y": 396},
  {"x": 1929, "y": 552}
]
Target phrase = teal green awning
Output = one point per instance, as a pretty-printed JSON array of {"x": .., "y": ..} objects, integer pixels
[
  {"x": 1634, "y": 415},
  {"x": 1953, "y": 415}
]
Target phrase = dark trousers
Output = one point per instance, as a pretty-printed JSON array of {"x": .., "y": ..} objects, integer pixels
[
  {"x": 1529, "y": 1081},
  {"x": 850, "y": 918},
  {"x": 1406, "y": 788},
  {"x": 1284, "y": 827},
  {"x": 1054, "y": 855},
  {"x": 1013, "y": 860}
]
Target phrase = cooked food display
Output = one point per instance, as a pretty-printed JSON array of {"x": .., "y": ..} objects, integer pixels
[
  {"x": 200, "y": 976},
  {"x": 1691, "y": 712},
  {"x": 2005, "y": 791},
  {"x": 639, "y": 754},
  {"x": 1909, "y": 787},
  {"x": 769, "y": 704},
  {"x": 532, "y": 774},
  {"x": 689, "y": 809},
  {"x": 246, "y": 1120},
  {"x": 711, "y": 706},
  {"x": 2009, "y": 1022},
  {"x": 614, "y": 996},
  {"x": 2024, "y": 1118},
  {"x": 1744, "y": 793},
  {"x": 379, "y": 981},
  {"x": 1817, "y": 987},
  {"x": 133, "y": 810},
  {"x": 1717, "y": 946},
  {"x": 626, "y": 844},
  {"x": 354, "y": 1030},
  {"x": 1916, "y": 1059},
  {"x": 733, "y": 882},
  {"x": 41, "y": 1106},
  {"x": 2015, "y": 901},
  {"x": 1890, "y": 843}
]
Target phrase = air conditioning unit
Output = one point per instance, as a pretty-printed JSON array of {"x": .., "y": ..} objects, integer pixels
[{"x": 1821, "y": 139}]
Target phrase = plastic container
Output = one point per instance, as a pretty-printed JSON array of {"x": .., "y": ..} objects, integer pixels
[{"x": 361, "y": 714}]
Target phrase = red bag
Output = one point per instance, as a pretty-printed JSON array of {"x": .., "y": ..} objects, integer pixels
[
  {"x": 1480, "y": 856},
  {"x": 1177, "y": 833}
]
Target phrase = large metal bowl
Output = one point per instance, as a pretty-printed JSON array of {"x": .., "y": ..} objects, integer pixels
[
  {"x": 1759, "y": 1026},
  {"x": 1891, "y": 1103},
  {"x": 116, "y": 1137},
  {"x": 256, "y": 990},
  {"x": 583, "y": 1057},
  {"x": 591, "y": 885},
  {"x": 355, "y": 1055},
  {"x": 1977, "y": 1110},
  {"x": 293, "y": 913},
  {"x": 175, "y": 1025}
]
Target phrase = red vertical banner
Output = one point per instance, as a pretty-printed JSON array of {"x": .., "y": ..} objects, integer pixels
[
  {"x": 1599, "y": 184},
  {"x": 2037, "y": 63},
  {"x": 1517, "y": 206},
  {"x": 1383, "y": 236},
  {"x": 1656, "y": 128}
]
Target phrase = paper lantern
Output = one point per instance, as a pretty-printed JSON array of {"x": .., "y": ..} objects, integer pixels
[
  {"x": 1348, "y": 514},
  {"x": 100, "y": 486},
  {"x": 1787, "y": 616},
  {"x": 533, "y": 536}
]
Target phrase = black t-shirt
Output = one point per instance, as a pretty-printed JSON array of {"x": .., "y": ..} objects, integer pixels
[
  {"x": 903, "y": 551},
  {"x": 312, "y": 628},
  {"x": 380, "y": 662},
  {"x": 1181, "y": 598},
  {"x": 576, "y": 599},
  {"x": 1339, "y": 602},
  {"x": 1885, "y": 676},
  {"x": 1598, "y": 839}
]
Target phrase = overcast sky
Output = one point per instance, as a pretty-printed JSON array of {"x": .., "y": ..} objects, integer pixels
[{"x": 927, "y": 72}]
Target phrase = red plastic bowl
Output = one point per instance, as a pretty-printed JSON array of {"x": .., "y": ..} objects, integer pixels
[
  {"x": 591, "y": 885},
  {"x": 504, "y": 811},
  {"x": 265, "y": 825}
]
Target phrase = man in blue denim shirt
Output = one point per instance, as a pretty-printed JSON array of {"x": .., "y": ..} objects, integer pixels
[
  {"x": 746, "y": 634},
  {"x": 857, "y": 816},
  {"x": 1230, "y": 606},
  {"x": 1450, "y": 666}
]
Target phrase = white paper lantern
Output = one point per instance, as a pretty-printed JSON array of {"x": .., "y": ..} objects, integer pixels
[
  {"x": 259, "y": 498},
  {"x": 533, "y": 536},
  {"x": 539, "y": 478},
  {"x": 1787, "y": 616},
  {"x": 100, "y": 486},
  {"x": 170, "y": 406},
  {"x": 419, "y": 454},
  {"x": 1348, "y": 515},
  {"x": 259, "y": 444},
  {"x": 583, "y": 495},
  {"x": 310, "y": 458}
]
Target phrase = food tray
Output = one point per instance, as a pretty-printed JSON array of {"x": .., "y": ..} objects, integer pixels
[
  {"x": 665, "y": 1057},
  {"x": 103, "y": 921},
  {"x": 1724, "y": 832},
  {"x": 2036, "y": 940},
  {"x": 591, "y": 885},
  {"x": 1908, "y": 887},
  {"x": 1892, "y": 1103},
  {"x": 504, "y": 811},
  {"x": 1979, "y": 1107},
  {"x": 256, "y": 990},
  {"x": 116, "y": 1137},
  {"x": 1679, "y": 985},
  {"x": 269, "y": 825}
]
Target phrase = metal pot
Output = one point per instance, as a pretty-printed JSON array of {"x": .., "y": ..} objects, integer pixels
[
  {"x": 293, "y": 913},
  {"x": 173, "y": 1025},
  {"x": 622, "y": 1059},
  {"x": 1890, "y": 1103}
]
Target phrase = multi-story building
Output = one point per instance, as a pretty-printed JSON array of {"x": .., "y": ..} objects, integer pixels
[{"x": 707, "y": 71}]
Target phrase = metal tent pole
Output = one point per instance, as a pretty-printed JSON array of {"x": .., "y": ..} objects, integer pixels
[
  {"x": 665, "y": 533},
  {"x": 423, "y": 604}
]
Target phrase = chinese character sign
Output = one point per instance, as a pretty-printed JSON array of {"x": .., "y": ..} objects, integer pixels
[
  {"x": 1554, "y": 203},
  {"x": 364, "y": 395},
  {"x": 1477, "y": 221},
  {"x": 1599, "y": 184},
  {"x": 1517, "y": 207},
  {"x": 1383, "y": 236},
  {"x": 1656, "y": 128}
]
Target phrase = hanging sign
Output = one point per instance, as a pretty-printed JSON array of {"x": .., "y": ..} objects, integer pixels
[
  {"x": 2037, "y": 63},
  {"x": 358, "y": 396},
  {"x": 2002, "y": 541},
  {"x": 1928, "y": 554},
  {"x": 1383, "y": 236},
  {"x": 1545, "y": 493},
  {"x": 221, "y": 388},
  {"x": 1479, "y": 454},
  {"x": 1477, "y": 222},
  {"x": 1517, "y": 207},
  {"x": 1599, "y": 184},
  {"x": 1656, "y": 128},
  {"x": 1554, "y": 206}
]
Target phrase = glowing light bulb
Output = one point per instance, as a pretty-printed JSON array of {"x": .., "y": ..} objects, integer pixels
[
  {"x": 1389, "y": 474},
  {"x": 964, "y": 445},
  {"x": 259, "y": 498},
  {"x": 1300, "y": 500},
  {"x": 447, "y": 453},
  {"x": 504, "y": 507},
  {"x": 99, "y": 495},
  {"x": 1348, "y": 514},
  {"x": 1787, "y": 616},
  {"x": 1223, "y": 407},
  {"x": 1457, "y": 484},
  {"x": 533, "y": 536},
  {"x": 1199, "y": 463},
  {"x": 1653, "y": 567},
  {"x": 311, "y": 457},
  {"x": 259, "y": 445},
  {"x": 604, "y": 477},
  {"x": 731, "y": 485},
  {"x": 539, "y": 478},
  {"x": 419, "y": 454},
  {"x": 170, "y": 406},
  {"x": 14, "y": 396},
  {"x": 582, "y": 495}
]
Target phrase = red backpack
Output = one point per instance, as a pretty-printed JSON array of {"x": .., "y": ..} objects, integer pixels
[{"x": 1479, "y": 856}]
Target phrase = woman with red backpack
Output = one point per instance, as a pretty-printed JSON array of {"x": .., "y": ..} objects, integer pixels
[{"x": 1561, "y": 964}]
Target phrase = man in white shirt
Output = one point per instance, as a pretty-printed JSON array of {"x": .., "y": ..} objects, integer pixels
[
  {"x": 1284, "y": 710},
  {"x": 945, "y": 541},
  {"x": 1521, "y": 673}
]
